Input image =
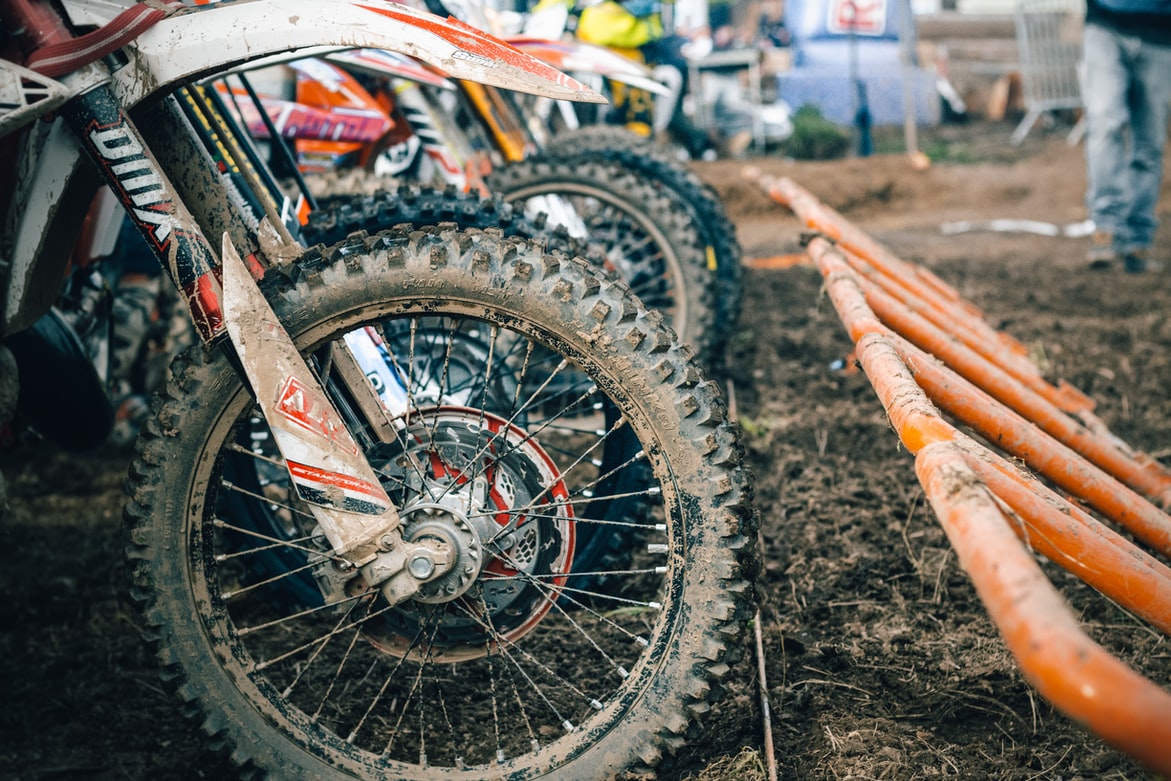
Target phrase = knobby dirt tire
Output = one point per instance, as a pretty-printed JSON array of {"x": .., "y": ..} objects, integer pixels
[
  {"x": 251, "y": 674},
  {"x": 629, "y": 211},
  {"x": 722, "y": 247},
  {"x": 343, "y": 211},
  {"x": 598, "y": 550}
]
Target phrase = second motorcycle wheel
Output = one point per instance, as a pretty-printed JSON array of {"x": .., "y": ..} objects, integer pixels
[
  {"x": 646, "y": 235},
  {"x": 618, "y": 146},
  {"x": 491, "y": 359}
]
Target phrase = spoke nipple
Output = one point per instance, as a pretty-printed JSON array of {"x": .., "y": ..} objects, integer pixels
[
  {"x": 536, "y": 746},
  {"x": 643, "y": 642},
  {"x": 660, "y": 570},
  {"x": 655, "y": 605},
  {"x": 622, "y": 672},
  {"x": 656, "y": 547},
  {"x": 655, "y": 490},
  {"x": 221, "y": 557},
  {"x": 568, "y": 725},
  {"x": 661, "y": 527},
  {"x": 595, "y": 705},
  {"x": 500, "y": 756}
]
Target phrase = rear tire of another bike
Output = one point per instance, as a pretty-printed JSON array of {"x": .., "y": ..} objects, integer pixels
[{"x": 502, "y": 668}]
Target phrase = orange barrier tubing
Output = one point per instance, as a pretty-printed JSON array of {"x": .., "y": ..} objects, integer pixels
[
  {"x": 1076, "y": 541},
  {"x": 1020, "y": 367},
  {"x": 1099, "y": 447},
  {"x": 964, "y": 320},
  {"x": 1008, "y": 430},
  {"x": 1019, "y": 437},
  {"x": 1059, "y": 660},
  {"x": 926, "y": 285}
]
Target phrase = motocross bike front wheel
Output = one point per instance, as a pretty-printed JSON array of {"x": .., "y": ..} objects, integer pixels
[
  {"x": 622, "y": 500},
  {"x": 644, "y": 234},
  {"x": 501, "y": 667}
]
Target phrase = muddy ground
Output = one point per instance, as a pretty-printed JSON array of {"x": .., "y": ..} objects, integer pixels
[{"x": 881, "y": 661}]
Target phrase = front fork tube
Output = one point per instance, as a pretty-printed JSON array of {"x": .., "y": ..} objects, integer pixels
[{"x": 324, "y": 462}]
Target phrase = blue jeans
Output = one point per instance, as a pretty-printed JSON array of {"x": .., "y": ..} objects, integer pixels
[{"x": 1126, "y": 88}]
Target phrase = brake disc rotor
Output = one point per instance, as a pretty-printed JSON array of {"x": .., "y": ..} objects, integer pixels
[{"x": 488, "y": 490}]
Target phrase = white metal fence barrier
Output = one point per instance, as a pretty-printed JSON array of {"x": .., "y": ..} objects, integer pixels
[{"x": 1049, "y": 38}]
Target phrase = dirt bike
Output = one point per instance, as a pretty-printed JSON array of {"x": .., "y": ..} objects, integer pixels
[
  {"x": 647, "y": 218},
  {"x": 622, "y": 148},
  {"x": 426, "y": 414}
]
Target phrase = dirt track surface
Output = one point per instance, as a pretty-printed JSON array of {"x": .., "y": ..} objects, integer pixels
[{"x": 881, "y": 661}]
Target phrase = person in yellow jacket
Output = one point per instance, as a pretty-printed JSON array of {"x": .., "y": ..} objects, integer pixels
[{"x": 638, "y": 25}]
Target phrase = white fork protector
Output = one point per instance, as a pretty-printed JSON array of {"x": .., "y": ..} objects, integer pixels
[{"x": 328, "y": 469}]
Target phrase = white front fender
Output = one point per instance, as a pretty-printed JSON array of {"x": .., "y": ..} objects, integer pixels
[
  {"x": 581, "y": 57},
  {"x": 202, "y": 41}
]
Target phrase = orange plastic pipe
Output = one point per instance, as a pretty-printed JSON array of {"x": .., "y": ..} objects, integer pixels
[
  {"x": 923, "y": 283},
  {"x": 912, "y": 283},
  {"x": 1066, "y": 667},
  {"x": 1098, "y": 447},
  {"x": 1075, "y": 540},
  {"x": 1063, "y": 396},
  {"x": 1067, "y": 536},
  {"x": 1057, "y": 658},
  {"x": 1078, "y": 676},
  {"x": 1021, "y": 438},
  {"x": 1005, "y": 428}
]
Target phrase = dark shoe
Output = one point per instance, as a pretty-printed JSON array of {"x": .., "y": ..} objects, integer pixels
[
  {"x": 1101, "y": 254},
  {"x": 1139, "y": 261}
]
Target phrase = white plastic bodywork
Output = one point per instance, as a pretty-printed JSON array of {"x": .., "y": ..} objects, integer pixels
[
  {"x": 43, "y": 178},
  {"x": 214, "y": 38},
  {"x": 26, "y": 95},
  {"x": 198, "y": 42},
  {"x": 582, "y": 58}
]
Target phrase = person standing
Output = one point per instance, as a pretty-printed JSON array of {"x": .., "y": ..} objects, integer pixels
[{"x": 1125, "y": 78}]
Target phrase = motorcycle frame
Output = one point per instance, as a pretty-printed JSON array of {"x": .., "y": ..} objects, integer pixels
[
  {"x": 194, "y": 43},
  {"x": 179, "y": 193}
]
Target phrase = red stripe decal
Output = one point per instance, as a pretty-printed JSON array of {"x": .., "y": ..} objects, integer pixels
[{"x": 313, "y": 474}]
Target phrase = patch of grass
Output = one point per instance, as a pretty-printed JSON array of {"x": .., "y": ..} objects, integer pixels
[
  {"x": 752, "y": 427},
  {"x": 815, "y": 137}
]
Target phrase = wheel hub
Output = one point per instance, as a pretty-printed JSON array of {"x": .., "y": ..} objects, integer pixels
[
  {"x": 486, "y": 490},
  {"x": 438, "y": 521}
]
